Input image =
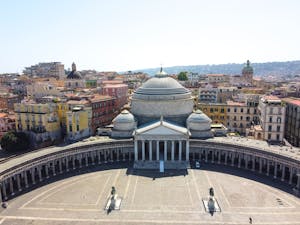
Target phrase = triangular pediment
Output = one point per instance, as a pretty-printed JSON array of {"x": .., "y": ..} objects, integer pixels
[{"x": 162, "y": 128}]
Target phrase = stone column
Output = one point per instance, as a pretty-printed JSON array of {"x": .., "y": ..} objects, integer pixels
[
  {"x": 73, "y": 162},
  {"x": 118, "y": 155},
  {"x": 226, "y": 157},
  {"x": 150, "y": 150},
  {"x": 39, "y": 168},
  {"x": 187, "y": 151},
  {"x": 157, "y": 150},
  {"x": 291, "y": 175},
  {"x": 18, "y": 182},
  {"x": 3, "y": 186},
  {"x": 143, "y": 150},
  {"x": 298, "y": 181},
  {"x": 123, "y": 155},
  {"x": 172, "y": 151},
  {"x": 60, "y": 165},
  {"x": 165, "y": 151},
  {"x": 99, "y": 157},
  {"x": 283, "y": 172},
  {"x": 25, "y": 179},
  {"x": 111, "y": 156},
  {"x": 253, "y": 163},
  {"x": 87, "y": 159},
  {"x": 67, "y": 163},
  {"x": 136, "y": 156},
  {"x": 206, "y": 155},
  {"x": 93, "y": 157},
  {"x": 11, "y": 186},
  {"x": 180, "y": 151},
  {"x": 268, "y": 167},
  {"x": 33, "y": 175},
  {"x": 232, "y": 159},
  {"x": 260, "y": 165},
  {"x": 240, "y": 160},
  {"x": 275, "y": 170},
  {"x": 246, "y": 161},
  {"x": 212, "y": 156},
  {"x": 53, "y": 168},
  {"x": 105, "y": 156},
  {"x": 219, "y": 157},
  {"x": 46, "y": 170}
]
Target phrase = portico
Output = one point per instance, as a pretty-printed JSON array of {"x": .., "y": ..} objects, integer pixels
[{"x": 161, "y": 141}]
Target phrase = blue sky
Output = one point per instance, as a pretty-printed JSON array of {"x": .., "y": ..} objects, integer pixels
[{"x": 132, "y": 34}]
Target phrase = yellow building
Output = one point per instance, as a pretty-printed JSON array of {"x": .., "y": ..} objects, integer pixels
[
  {"x": 216, "y": 111},
  {"x": 78, "y": 122},
  {"x": 39, "y": 120}
]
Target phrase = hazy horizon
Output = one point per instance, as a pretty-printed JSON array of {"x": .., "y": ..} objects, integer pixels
[{"x": 139, "y": 34}]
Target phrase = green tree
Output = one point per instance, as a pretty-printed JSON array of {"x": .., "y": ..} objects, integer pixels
[
  {"x": 15, "y": 141},
  {"x": 182, "y": 76}
]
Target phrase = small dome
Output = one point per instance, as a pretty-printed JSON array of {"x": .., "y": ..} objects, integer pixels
[
  {"x": 74, "y": 74},
  {"x": 198, "y": 117},
  {"x": 247, "y": 68},
  {"x": 124, "y": 121},
  {"x": 198, "y": 121}
]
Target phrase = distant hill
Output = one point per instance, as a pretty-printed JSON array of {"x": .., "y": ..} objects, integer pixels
[{"x": 289, "y": 68}]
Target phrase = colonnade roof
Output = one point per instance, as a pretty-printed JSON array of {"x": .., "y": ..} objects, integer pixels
[{"x": 293, "y": 153}]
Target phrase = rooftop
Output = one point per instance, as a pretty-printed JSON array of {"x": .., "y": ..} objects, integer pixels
[{"x": 294, "y": 101}]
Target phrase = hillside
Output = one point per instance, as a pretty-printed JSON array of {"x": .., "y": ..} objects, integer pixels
[{"x": 280, "y": 69}]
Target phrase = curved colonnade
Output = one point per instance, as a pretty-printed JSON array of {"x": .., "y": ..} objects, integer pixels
[{"x": 29, "y": 172}]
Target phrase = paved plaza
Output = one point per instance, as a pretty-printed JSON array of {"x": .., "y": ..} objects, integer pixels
[{"x": 152, "y": 198}]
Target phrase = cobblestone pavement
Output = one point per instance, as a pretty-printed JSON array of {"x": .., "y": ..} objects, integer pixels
[{"x": 152, "y": 198}]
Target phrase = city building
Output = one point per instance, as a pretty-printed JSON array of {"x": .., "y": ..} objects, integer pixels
[
  {"x": 78, "y": 122},
  {"x": 51, "y": 69},
  {"x": 272, "y": 118},
  {"x": 7, "y": 123},
  {"x": 7, "y": 100},
  {"x": 292, "y": 121},
  {"x": 74, "y": 79},
  {"x": 117, "y": 90},
  {"x": 40, "y": 121},
  {"x": 104, "y": 109},
  {"x": 38, "y": 90},
  {"x": 217, "y": 112},
  {"x": 217, "y": 78},
  {"x": 208, "y": 94}
]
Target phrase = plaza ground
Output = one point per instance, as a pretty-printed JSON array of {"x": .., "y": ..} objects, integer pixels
[{"x": 153, "y": 198}]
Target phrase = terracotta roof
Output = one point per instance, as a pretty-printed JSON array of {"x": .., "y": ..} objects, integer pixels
[
  {"x": 294, "y": 101},
  {"x": 271, "y": 97},
  {"x": 115, "y": 85},
  {"x": 80, "y": 102},
  {"x": 2, "y": 115},
  {"x": 97, "y": 98},
  {"x": 236, "y": 103}
]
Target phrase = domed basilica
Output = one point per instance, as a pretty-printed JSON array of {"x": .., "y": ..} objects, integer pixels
[{"x": 161, "y": 122}]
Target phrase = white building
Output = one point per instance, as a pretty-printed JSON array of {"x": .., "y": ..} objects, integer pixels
[{"x": 272, "y": 118}]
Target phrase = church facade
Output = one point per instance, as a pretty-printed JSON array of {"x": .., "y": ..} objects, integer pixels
[{"x": 161, "y": 122}]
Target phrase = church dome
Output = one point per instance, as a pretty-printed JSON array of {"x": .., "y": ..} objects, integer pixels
[
  {"x": 161, "y": 86},
  {"x": 124, "y": 121},
  {"x": 247, "y": 68},
  {"x": 162, "y": 96},
  {"x": 74, "y": 74},
  {"x": 198, "y": 121}
]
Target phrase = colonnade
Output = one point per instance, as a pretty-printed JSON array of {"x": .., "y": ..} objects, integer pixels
[
  {"x": 173, "y": 150},
  {"x": 28, "y": 175},
  {"x": 20, "y": 177},
  {"x": 284, "y": 169}
]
